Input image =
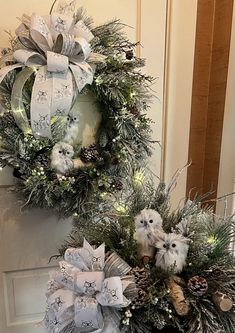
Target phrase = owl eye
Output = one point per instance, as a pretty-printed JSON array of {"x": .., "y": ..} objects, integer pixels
[
  {"x": 164, "y": 245},
  {"x": 150, "y": 221},
  {"x": 173, "y": 245},
  {"x": 75, "y": 118},
  {"x": 60, "y": 152},
  {"x": 68, "y": 118},
  {"x": 67, "y": 152},
  {"x": 142, "y": 221}
]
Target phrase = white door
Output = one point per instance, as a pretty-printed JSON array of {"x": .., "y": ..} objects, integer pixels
[{"x": 27, "y": 241}]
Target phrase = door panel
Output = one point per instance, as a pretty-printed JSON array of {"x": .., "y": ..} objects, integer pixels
[
  {"x": 28, "y": 240},
  {"x": 26, "y": 243},
  {"x": 24, "y": 300}
]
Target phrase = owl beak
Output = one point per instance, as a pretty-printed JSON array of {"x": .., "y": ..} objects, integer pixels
[
  {"x": 167, "y": 246},
  {"x": 145, "y": 224}
]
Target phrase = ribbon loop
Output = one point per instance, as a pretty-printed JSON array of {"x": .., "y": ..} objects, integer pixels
[
  {"x": 60, "y": 23},
  {"x": 57, "y": 63},
  {"x": 40, "y": 33},
  {"x": 17, "y": 105},
  {"x": 89, "y": 283},
  {"x": 29, "y": 58},
  {"x": 65, "y": 44},
  {"x": 81, "y": 30},
  {"x": 111, "y": 294}
]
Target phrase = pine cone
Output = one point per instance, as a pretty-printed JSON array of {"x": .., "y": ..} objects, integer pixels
[
  {"x": 129, "y": 54},
  {"x": 197, "y": 285},
  {"x": 117, "y": 185},
  {"x": 89, "y": 154},
  {"x": 140, "y": 299},
  {"x": 141, "y": 277},
  {"x": 142, "y": 283},
  {"x": 135, "y": 111},
  {"x": 42, "y": 160}
]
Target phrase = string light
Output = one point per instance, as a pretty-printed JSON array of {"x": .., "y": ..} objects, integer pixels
[
  {"x": 138, "y": 177},
  {"x": 212, "y": 239}
]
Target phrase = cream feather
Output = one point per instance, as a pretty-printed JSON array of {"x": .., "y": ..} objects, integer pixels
[
  {"x": 172, "y": 250},
  {"x": 147, "y": 222},
  {"x": 61, "y": 158}
]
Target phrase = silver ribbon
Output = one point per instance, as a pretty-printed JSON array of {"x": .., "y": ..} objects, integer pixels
[
  {"x": 57, "y": 50},
  {"x": 79, "y": 295}
]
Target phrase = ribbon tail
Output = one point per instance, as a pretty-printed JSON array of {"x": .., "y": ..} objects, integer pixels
[
  {"x": 52, "y": 95},
  {"x": 81, "y": 76},
  {"x": 88, "y": 315},
  {"x": 116, "y": 266},
  {"x": 7, "y": 69},
  {"x": 40, "y": 109},
  {"x": 112, "y": 320},
  {"x": 62, "y": 93},
  {"x": 17, "y": 105},
  {"x": 96, "y": 58}
]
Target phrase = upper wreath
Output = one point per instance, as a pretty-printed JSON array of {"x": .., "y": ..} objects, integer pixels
[{"x": 59, "y": 69}]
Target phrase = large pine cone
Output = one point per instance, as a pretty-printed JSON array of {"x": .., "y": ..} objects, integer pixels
[
  {"x": 197, "y": 285},
  {"x": 141, "y": 275},
  {"x": 89, "y": 154},
  {"x": 142, "y": 283}
]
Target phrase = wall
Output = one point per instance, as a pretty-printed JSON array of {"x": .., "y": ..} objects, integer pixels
[
  {"x": 179, "y": 74},
  {"x": 227, "y": 159}
]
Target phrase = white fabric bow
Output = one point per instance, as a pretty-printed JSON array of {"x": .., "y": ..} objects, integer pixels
[
  {"x": 56, "y": 49},
  {"x": 85, "y": 287}
]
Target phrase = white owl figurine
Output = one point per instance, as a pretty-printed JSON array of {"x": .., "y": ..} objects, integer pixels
[
  {"x": 61, "y": 158},
  {"x": 172, "y": 250},
  {"x": 72, "y": 130},
  {"x": 147, "y": 222}
]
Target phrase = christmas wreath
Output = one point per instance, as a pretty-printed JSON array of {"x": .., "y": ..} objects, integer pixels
[
  {"x": 181, "y": 261},
  {"x": 53, "y": 64}
]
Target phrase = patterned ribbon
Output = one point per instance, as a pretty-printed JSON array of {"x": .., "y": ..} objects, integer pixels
[
  {"x": 81, "y": 294},
  {"x": 57, "y": 50}
]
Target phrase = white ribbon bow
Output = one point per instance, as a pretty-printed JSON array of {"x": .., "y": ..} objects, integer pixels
[
  {"x": 56, "y": 49},
  {"x": 84, "y": 288}
]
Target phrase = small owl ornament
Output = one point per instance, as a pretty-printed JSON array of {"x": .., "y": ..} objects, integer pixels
[
  {"x": 147, "y": 223},
  {"x": 61, "y": 158},
  {"x": 73, "y": 128},
  {"x": 172, "y": 250}
]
